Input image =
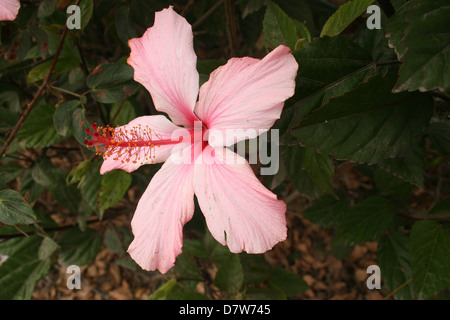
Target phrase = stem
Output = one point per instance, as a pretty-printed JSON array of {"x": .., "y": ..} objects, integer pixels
[
  {"x": 86, "y": 72},
  {"x": 38, "y": 94},
  {"x": 232, "y": 27},
  {"x": 64, "y": 227},
  {"x": 398, "y": 289},
  {"x": 66, "y": 91}
]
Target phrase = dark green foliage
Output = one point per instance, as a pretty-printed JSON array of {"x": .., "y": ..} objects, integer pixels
[{"x": 377, "y": 101}]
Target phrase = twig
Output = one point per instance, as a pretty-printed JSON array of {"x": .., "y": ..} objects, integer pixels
[
  {"x": 387, "y": 7},
  {"x": 66, "y": 91},
  {"x": 86, "y": 72},
  {"x": 232, "y": 27},
  {"x": 398, "y": 289},
  {"x": 187, "y": 8},
  {"x": 294, "y": 195},
  {"x": 117, "y": 112},
  {"x": 38, "y": 94},
  {"x": 59, "y": 228},
  {"x": 207, "y": 14}
]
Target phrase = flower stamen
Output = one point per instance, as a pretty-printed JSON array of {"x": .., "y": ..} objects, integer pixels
[{"x": 135, "y": 144}]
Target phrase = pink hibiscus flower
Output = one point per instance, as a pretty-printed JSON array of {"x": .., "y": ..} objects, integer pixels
[
  {"x": 9, "y": 9},
  {"x": 246, "y": 93}
]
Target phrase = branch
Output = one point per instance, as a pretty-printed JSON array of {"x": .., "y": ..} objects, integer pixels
[
  {"x": 207, "y": 14},
  {"x": 387, "y": 7},
  {"x": 38, "y": 94},
  {"x": 391, "y": 294},
  {"x": 232, "y": 27},
  {"x": 110, "y": 214}
]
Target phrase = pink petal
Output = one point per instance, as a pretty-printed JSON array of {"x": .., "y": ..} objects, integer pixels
[
  {"x": 161, "y": 129},
  {"x": 9, "y": 9},
  {"x": 163, "y": 210},
  {"x": 247, "y": 94},
  {"x": 164, "y": 62},
  {"x": 240, "y": 212}
]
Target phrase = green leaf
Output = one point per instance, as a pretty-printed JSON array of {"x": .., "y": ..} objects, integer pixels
[
  {"x": 64, "y": 64},
  {"x": 41, "y": 172},
  {"x": 344, "y": 16},
  {"x": 310, "y": 172},
  {"x": 86, "y": 10},
  {"x": 67, "y": 196},
  {"x": 79, "y": 125},
  {"x": 46, "y": 249},
  {"x": 124, "y": 25},
  {"x": 329, "y": 67},
  {"x": 90, "y": 186},
  {"x": 439, "y": 134},
  {"x": 185, "y": 267},
  {"x": 369, "y": 123},
  {"x": 23, "y": 268},
  {"x": 278, "y": 28},
  {"x": 114, "y": 185},
  {"x": 300, "y": 10},
  {"x": 62, "y": 118},
  {"x": 10, "y": 171},
  {"x": 79, "y": 172},
  {"x": 46, "y": 8},
  {"x": 122, "y": 112},
  {"x": 109, "y": 73},
  {"x": 429, "y": 248},
  {"x": 319, "y": 168},
  {"x": 164, "y": 290},
  {"x": 297, "y": 173},
  {"x": 230, "y": 275},
  {"x": 38, "y": 130},
  {"x": 327, "y": 211},
  {"x": 186, "y": 295},
  {"x": 30, "y": 187},
  {"x": 396, "y": 28},
  {"x": 427, "y": 40},
  {"x": 112, "y": 82},
  {"x": 365, "y": 222},
  {"x": 394, "y": 259},
  {"x": 14, "y": 209},
  {"x": 195, "y": 247},
  {"x": 79, "y": 247},
  {"x": 115, "y": 92},
  {"x": 389, "y": 185},
  {"x": 118, "y": 239},
  {"x": 288, "y": 282},
  {"x": 410, "y": 167}
]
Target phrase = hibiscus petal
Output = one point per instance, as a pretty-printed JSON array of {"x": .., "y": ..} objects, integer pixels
[
  {"x": 246, "y": 95},
  {"x": 164, "y": 62},
  {"x": 163, "y": 210},
  {"x": 131, "y": 158},
  {"x": 240, "y": 212},
  {"x": 9, "y": 9}
]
